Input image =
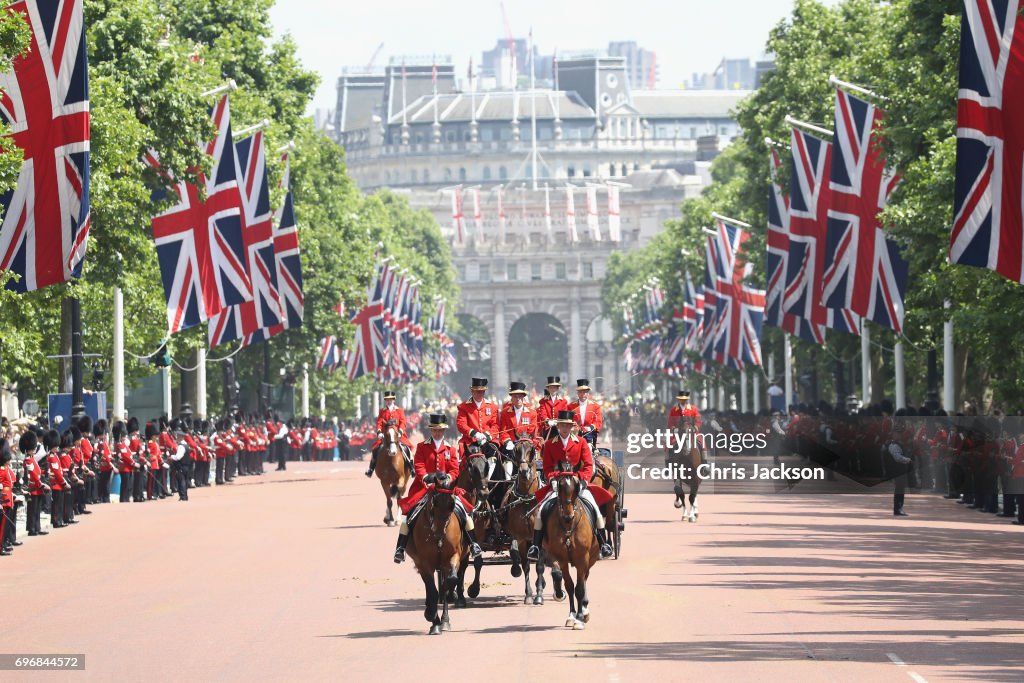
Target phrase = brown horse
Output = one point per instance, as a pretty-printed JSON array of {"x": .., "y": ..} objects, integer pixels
[
  {"x": 391, "y": 468},
  {"x": 606, "y": 476},
  {"x": 571, "y": 542},
  {"x": 436, "y": 549},
  {"x": 688, "y": 460},
  {"x": 522, "y": 511},
  {"x": 473, "y": 479}
]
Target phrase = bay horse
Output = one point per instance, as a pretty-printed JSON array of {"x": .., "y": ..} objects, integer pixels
[
  {"x": 473, "y": 479},
  {"x": 571, "y": 542},
  {"x": 519, "y": 501},
  {"x": 608, "y": 477},
  {"x": 436, "y": 549},
  {"x": 691, "y": 460},
  {"x": 391, "y": 469}
]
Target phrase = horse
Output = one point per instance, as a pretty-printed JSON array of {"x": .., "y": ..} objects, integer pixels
[
  {"x": 436, "y": 549},
  {"x": 571, "y": 542},
  {"x": 519, "y": 501},
  {"x": 608, "y": 477},
  {"x": 391, "y": 468},
  {"x": 474, "y": 481},
  {"x": 689, "y": 461}
]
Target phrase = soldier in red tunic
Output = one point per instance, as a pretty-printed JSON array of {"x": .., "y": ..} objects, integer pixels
[
  {"x": 588, "y": 413},
  {"x": 390, "y": 412},
  {"x": 125, "y": 461},
  {"x": 683, "y": 409},
  {"x": 436, "y": 464},
  {"x": 568, "y": 449},
  {"x": 28, "y": 445},
  {"x": 55, "y": 473},
  {"x": 8, "y": 539},
  {"x": 547, "y": 411}
]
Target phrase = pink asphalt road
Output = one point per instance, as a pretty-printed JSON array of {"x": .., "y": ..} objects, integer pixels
[{"x": 289, "y": 576}]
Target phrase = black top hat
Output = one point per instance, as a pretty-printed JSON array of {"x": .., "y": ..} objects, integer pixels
[
  {"x": 683, "y": 395},
  {"x": 517, "y": 388},
  {"x": 478, "y": 383},
  {"x": 554, "y": 381},
  {"x": 438, "y": 421},
  {"x": 566, "y": 417},
  {"x": 28, "y": 442},
  {"x": 583, "y": 384},
  {"x": 390, "y": 394}
]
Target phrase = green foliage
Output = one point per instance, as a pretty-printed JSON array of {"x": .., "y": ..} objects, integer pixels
[
  {"x": 149, "y": 63},
  {"x": 907, "y": 51}
]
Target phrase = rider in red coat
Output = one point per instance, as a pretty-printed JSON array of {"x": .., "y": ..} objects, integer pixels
[
  {"x": 516, "y": 419},
  {"x": 683, "y": 409},
  {"x": 477, "y": 420},
  {"x": 389, "y": 412},
  {"x": 547, "y": 410},
  {"x": 587, "y": 413},
  {"x": 568, "y": 455},
  {"x": 437, "y": 466}
]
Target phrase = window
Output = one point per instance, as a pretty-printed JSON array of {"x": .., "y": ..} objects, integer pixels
[
  {"x": 723, "y": 130},
  {"x": 412, "y": 175},
  {"x": 693, "y": 131},
  {"x": 486, "y": 134},
  {"x": 513, "y": 272},
  {"x": 485, "y": 272},
  {"x": 534, "y": 271},
  {"x": 447, "y": 174},
  {"x": 572, "y": 172},
  {"x": 426, "y": 175},
  {"x": 502, "y": 173},
  {"x": 461, "y": 273},
  {"x": 588, "y": 270},
  {"x": 462, "y": 175},
  {"x": 559, "y": 271},
  {"x": 487, "y": 172}
]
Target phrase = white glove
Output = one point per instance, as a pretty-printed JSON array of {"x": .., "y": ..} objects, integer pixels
[
  {"x": 481, "y": 438},
  {"x": 552, "y": 423},
  {"x": 508, "y": 445},
  {"x": 380, "y": 435},
  {"x": 588, "y": 428}
]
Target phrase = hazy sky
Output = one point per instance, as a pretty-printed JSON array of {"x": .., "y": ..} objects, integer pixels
[{"x": 688, "y": 35}]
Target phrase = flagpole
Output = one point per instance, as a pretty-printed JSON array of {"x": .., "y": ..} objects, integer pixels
[
  {"x": 305, "y": 390},
  {"x": 118, "y": 361},
  {"x": 948, "y": 361},
  {"x": 743, "y": 390},
  {"x": 865, "y": 363},
  {"x": 808, "y": 126},
  {"x": 201, "y": 382},
  {"x": 901, "y": 380},
  {"x": 787, "y": 356},
  {"x": 833, "y": 81},
  {"x": 533, "y": 114}
]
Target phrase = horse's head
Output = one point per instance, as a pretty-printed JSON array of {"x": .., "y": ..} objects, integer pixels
[
  {"x": 391, "y": 437},
  {"x": 442, "y": 503},
  {"x": 476, "y": 464},
  {"x": 567, "y": 487},
  {"x": 524, "y": 453}
]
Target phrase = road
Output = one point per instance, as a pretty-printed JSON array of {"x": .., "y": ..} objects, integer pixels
[{"x": 289, "y": 576}]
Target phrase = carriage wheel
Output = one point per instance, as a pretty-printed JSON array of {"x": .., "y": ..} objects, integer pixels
[{"x": 619, "y": 516}]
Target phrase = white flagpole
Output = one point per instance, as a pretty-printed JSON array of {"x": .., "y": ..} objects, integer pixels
[
  {"x": 533, "y": 114},
  {"x": 948, "y": 361},
  {"x": 865, "y": 363},
  {"x": 787, "y": 354},
  {"x": 901, "y": 379},
  {"x": 547, "y": 212}
]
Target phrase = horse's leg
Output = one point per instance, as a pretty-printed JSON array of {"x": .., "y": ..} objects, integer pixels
[
  {"x": 526, "y": 581},
  {"x": 694, "y": 485},
  {"x": 474, "y": 588},
  {"x": 541, "y": 583},
  {"x": 517, "y": 559},
  {"x": 582, "y": 574},
  {"x": 389, "y": 518},
  {"x": 460, "y": 586},
  {"x": 430, "y": 614},
  {"x": 450, "y": 582},
  {"x": 679, "y": 501},
  {"x": 556, "y": 581},
  {"x": 571, "y": 590}
]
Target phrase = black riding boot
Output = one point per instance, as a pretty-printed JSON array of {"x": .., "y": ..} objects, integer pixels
[
  {"x": 606, "y": 548},
  {"x": 373, "y": 465},
  {"x": 400, "y": 548},
  {"x": 474, "y": 548},
  {"x": 534, "y": 552}
]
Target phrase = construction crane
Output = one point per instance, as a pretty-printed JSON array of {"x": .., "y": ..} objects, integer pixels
[{"x": 373, "y": 58}]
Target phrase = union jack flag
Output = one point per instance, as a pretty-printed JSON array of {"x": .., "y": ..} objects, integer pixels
[
  {"x": 199, "y": 245},
  {"x": 721, "y": 251},
  {"x": 457, "y": 217},
  {"x": 287, "y": 263},
  {"x": 808, "y": 202},
  {"x": 988, "y": 228},
  {"x": 45, "y": 100},
  {"x": 264, "y": 311},
  {"x": 739, "y": 309},
  {"x": 593, "y": 223},
  {"x": 369, "y": 343},
  {"x": 478, "y": 218},
  {"x": 570, "y": 215},
  {"x": 693, "y": 315},
  {"x": 330, "y": 354},
  {"x": 776, "y": 262},
  {"x": 863, "y": 271},
  {"x": 614, "y": 215}
]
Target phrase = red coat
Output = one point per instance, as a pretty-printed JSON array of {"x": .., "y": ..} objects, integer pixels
[
  {"x": 548, "y": 409},
  {"x": 593, "y": 415},
  {"x": 153, "y": 450},
  {"x": 125, "y": 463},
  {"x": 427, "y": 460},
  {"x": 398, "y": 415},
  {"x": 472, "y": 419},
  {"x": 57, "y": 481},
  {"x": 6, "y": 486},
  {"x": 509, "y": 428},
  {"x": 33, "y": 473},
  {"x": 678, "y": 412},
  {"x": 577, "y": 453}
]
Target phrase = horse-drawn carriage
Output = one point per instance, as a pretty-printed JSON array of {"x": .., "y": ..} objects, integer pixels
[{"x": 615, "y": 511}]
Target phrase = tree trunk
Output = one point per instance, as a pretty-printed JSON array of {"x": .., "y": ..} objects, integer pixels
[{"x": 879, "y": 376}]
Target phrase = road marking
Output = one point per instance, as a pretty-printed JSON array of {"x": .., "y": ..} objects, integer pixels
[
  {"x": 613, "y": 676},
  {"x": 336, "y": 470},
  {"x": 899, "y": 662}
]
